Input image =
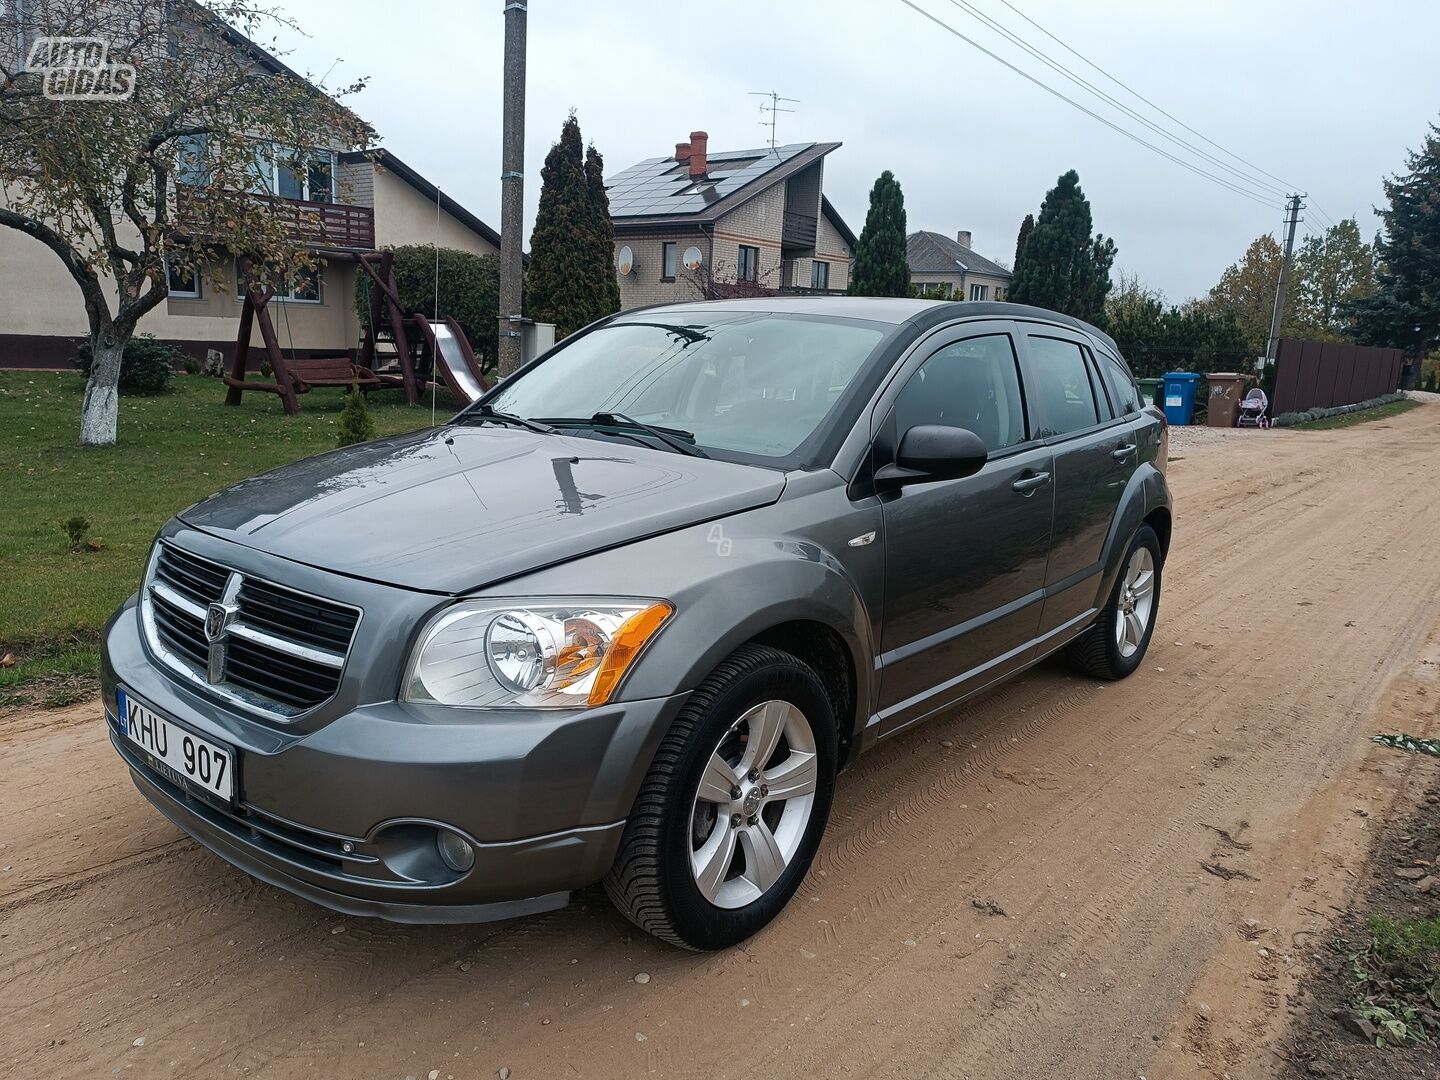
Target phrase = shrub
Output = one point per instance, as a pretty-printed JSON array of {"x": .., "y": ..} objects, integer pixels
[
  {"x": 145, "y": 368},
  {"x": 469, "y": 294},
  {"x": 77, "y": 529},
  {"x": 356, "y": 423},
  {"x": 191, "y": 365}
]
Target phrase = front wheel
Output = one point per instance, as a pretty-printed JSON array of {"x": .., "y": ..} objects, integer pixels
[
  {"x": 734, "y": 806},
  {"x": 1114, "y": 647}
]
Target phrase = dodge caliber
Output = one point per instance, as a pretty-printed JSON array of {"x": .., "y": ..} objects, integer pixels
[{"x": 625, "y": 618}]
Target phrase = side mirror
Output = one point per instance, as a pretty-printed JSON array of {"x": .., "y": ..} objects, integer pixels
[{"x": 931, "y": 452}]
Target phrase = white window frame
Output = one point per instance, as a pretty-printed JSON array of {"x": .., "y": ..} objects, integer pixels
[
  {"x": 288, "y": 296},
  {"x": 193, "y": 293},
  {"x": 279, "y": 150},
  {"x": 979, "y": 291}
]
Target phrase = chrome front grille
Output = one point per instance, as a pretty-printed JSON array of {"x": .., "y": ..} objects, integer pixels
[{"x": 273, "y": 649}]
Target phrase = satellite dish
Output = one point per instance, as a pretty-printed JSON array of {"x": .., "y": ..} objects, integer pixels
[
  {"x": 691, "y": 259},
  {"x": 625, "y": 260}
]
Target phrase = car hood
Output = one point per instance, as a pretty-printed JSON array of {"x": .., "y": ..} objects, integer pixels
[{"x": 455, "y": 508}]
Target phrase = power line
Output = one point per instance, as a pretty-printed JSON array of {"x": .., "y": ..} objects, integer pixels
[
  {"x": 1261, "y": 186},
  {"x": 1088, "y": 112},
  {"x": 1142, "y": 97}
]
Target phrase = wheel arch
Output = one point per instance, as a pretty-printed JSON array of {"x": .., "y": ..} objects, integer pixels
[{"x": 821, "y": 648}]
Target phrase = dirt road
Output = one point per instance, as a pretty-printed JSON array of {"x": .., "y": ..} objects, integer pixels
[{"x": 1297, "y": 619}]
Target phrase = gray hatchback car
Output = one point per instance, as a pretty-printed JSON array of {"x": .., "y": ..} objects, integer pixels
[{"x": 626, "y": 618}]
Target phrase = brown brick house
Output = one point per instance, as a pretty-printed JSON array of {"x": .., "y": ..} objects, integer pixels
[{"x": 750, "y": 216}]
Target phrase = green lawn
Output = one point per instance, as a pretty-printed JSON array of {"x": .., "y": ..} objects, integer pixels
[
  {"x": 173, "y": 450},
  {"x": 1363, "y": 416}
]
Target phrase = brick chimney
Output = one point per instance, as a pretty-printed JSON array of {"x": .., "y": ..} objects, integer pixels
[
  {"x": 682, "y": 152},
  {"x": 698, "y": 165},
  {"x": 963, "y": 238}
]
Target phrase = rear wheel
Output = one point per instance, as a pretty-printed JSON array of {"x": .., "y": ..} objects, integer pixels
[
  {"x": 1115, "y": 646},
  {"x": 734, "y": 806}
]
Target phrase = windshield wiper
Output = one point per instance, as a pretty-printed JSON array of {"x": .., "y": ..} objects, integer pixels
[
  {"x": 671, "y": 437},
  {"x": 485, "y": 412}
]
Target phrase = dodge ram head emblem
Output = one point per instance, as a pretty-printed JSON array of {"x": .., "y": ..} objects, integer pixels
[{"x": 216, "y": 616}]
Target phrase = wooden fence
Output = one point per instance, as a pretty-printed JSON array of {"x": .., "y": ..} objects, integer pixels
[{"x": 1323, "y": 374}]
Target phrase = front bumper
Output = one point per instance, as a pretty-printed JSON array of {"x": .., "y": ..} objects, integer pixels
[{"x": 344, "y": 814}]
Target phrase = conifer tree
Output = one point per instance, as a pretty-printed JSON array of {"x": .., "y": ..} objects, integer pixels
[
  {"x": 1404, "y": 311},
  {"x": 1063, "y": 266},
  {"x": 881, "y": 267},
  {"x": 1026, "y": 228},
  {"x": 356, "y": 423},
  {"x": 604, "y": 229},
  {"x": 570, "y": 281}
]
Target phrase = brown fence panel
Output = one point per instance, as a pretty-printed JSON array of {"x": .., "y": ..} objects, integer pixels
[{"x": 1316, "y": 374}]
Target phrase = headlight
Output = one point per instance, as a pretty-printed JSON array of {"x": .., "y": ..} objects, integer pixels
[{"x": 548, "y": 654}]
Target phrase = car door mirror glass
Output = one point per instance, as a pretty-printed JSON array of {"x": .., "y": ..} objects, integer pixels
[{"x": 934, "y": 452}]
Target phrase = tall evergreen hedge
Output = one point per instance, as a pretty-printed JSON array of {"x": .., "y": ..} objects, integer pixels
[{"x": 469, "y": 293}]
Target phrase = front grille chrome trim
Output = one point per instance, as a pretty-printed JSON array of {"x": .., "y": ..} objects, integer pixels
[{"x": 156, "y": 588}]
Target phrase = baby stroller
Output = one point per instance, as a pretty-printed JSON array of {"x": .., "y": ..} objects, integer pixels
[{"x": 1252, "y": 410}]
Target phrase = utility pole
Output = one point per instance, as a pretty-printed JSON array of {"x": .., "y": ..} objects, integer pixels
[
  {"x": 512, "y": 186},
  {"x": 1292, "y": 218},
  {"x": 773, "y": 109}
]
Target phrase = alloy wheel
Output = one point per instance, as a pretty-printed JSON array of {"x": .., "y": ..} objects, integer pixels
[
  {"x": 753, "y": 804},
  {"x": 1136, "y": 602}
]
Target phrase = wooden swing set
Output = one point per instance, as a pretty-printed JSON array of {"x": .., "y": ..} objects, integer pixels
[{"x": 293, "y": 376}]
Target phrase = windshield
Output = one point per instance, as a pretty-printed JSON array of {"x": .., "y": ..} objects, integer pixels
[{"x": 754, "y": 383}]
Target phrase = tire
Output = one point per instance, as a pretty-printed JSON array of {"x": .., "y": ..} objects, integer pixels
[
  {"x": 1102, "y": 651},
  {"x": 673, "y": 838}
]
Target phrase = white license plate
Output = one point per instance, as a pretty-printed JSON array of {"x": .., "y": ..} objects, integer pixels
[{"x": 182, "y": 753}]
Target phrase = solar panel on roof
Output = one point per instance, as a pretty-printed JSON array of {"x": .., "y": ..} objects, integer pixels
[{"x": 660, "y": 186}]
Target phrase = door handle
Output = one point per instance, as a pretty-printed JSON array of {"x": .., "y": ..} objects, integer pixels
[
  {"x": 1026, "y": 484},
  {"x": 1122, "y": 452}
]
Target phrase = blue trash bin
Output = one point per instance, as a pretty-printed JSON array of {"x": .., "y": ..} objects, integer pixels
[{"x": 1180, "y": 390}]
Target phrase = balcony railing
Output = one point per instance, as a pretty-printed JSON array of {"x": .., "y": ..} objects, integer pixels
[
  {"x": 314, "y": 224},
  {"x": 798, "y": 230}
]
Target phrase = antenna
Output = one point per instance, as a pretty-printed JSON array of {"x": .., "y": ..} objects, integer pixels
[{"x": 773, "y": 108}]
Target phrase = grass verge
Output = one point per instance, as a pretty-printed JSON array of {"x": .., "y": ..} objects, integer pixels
[
  {"x": 1396, "y": 978},
  {"x": 172, "y": 450},
  {"x": 1363, "y": 416}
]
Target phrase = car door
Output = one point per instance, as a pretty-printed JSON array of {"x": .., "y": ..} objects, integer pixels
[
  {"x": 964, "y": 558},
  {"x": 1095, "y": 454}
]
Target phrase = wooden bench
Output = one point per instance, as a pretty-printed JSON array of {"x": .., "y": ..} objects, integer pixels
[{"x": 330, "y": 371}]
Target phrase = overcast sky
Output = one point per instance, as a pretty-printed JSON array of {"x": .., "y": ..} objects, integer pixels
[{"x": 1326, "y": 95}]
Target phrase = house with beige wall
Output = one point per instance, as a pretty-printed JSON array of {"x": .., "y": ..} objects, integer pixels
[
  {"x": 696, "y": 221},
  {"x": 364, "y": 200},
  {"x": 954, "y": 267}
]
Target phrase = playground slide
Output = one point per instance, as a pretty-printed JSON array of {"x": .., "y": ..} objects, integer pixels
[{"x": 450, "y": 355}]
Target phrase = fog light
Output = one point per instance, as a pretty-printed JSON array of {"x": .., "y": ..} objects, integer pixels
[{"x": 455, "y": 850}]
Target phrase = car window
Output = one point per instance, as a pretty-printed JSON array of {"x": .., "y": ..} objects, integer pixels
[
  {"x": 1064, "y": 391},
  {"x": 970, "y": 384},
  {"x": 1103, "y": 398},
  {"x": 1123, "y": 390},
  {"x": 755, "y": 383}
]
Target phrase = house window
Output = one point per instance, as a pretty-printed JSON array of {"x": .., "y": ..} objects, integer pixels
[
  {"x": 667, "y": 261},
  {"x": 281, "y": 170},
  {"x": 192, "y": 166},
  {"x": 979, "y": 292},
  {"x": 184, "y": 281},
  {"x": 299, "y": 287},
  {"x": 748, "y": 264},
  {"x": 819, "y": 275},
  {"x": 1000, "y": 293}
]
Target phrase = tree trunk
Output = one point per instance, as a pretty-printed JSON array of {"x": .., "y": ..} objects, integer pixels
[{"x": 99, "y": 415}]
